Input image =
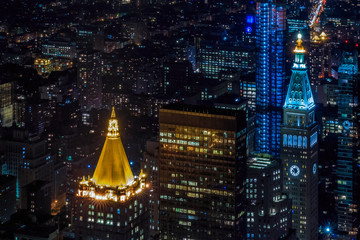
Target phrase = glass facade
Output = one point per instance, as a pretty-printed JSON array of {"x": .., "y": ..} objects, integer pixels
[{"x": 271, "y": 26}]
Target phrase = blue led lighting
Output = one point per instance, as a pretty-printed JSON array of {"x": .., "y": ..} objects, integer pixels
[{"x": 250, "y": 19}]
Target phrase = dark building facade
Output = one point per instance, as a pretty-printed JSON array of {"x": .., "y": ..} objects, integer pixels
[
  {"x": 36, "y": 197},
  {"x": 269, "y": 212},
  {"x": 348, "y": 170},
  {"x": 7, "y": 197}
]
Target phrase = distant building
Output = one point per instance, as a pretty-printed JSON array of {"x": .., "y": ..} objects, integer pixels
[
  {"x": 113, "y": 204},
  {"x": 175, "y": 75},
  {"x": 269, "y": 212},
  {"x": 202, "y": 173},
  {"x": 89, "y": 80},
  {"x": 150, "y": 166},
  {"x": 7, "y": 197},
  {"x": 26, "y": 158},
  {"x": 348, "y": 169},
  {"x": 89, "y": 38},
  {"x": 38, "y": 232},
  {"x": 43, "y": 66},
  {"x": 319, "y": 59},
  {"x": 60, "y": 49},
  {"x": 36, "y": 197},
  {"x": 214, "y": 59}
]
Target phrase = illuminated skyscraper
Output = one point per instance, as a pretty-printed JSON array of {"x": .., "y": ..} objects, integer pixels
[
  {"x": 270, "y": 27},
  {"x": 113, "y": 204},
  {"x": 348, "y": 178},
  {"x": 299, "y": 150},
  {"x": 202, "y": 173}
]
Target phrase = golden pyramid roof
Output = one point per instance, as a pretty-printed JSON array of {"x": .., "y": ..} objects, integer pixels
[
  {"x": 323, "y": 36},
  {"x": 315, "y": 38},
  {"x": 113, "y": 168}
]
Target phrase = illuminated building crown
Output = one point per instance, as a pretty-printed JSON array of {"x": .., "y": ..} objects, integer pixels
[
  {"x": 299, "y": 95},
  {"x": 113, "y": 168}
]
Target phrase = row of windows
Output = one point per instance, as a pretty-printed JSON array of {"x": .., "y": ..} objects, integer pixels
[{"x": 294, "y": 141}]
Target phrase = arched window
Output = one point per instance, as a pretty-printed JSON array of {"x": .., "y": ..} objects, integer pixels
[
  {"x": 285, "y": 140},
  {"x": 304, "y": 142},
  {"x": 290, "y": 141},
  {"x": 295, "y": 141},
  {"x": 300, "y": 142}
]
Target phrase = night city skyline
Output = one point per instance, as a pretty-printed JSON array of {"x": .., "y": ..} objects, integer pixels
[{"x": 179, "y": 120}]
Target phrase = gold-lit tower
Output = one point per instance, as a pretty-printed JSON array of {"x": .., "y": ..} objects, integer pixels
[{"x": 113, "y": 203}]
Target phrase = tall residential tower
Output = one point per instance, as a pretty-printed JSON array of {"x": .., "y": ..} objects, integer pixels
[
  {"x": 299, "y": 150},
  {"x": 270, "y": 27}
]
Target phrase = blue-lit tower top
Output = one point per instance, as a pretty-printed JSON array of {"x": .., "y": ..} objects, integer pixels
[
  {"x": 299, "y": 149},
  {"x": 299, "y": 95}
]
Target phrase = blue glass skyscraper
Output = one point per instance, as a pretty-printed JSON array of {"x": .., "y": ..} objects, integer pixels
[{"x": 270, "y": 77}]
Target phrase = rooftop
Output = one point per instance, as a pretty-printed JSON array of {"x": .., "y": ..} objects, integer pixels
[{"x": 113, "y": 168}]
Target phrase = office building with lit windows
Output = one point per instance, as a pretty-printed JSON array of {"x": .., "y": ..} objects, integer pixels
[
  {"x": 113, "y": 204},
  {"x": 348, "y": 169},
  {"x": 216, "y": 59},
  {"x": 270, "y": 77},
  {"x": 268, "y": 215},
  {"x": 7, "y": 103},
  {"x": 299, "y": 150},
  {"x": 202, "y": 173},
  {"x": 61, "y": 49}
]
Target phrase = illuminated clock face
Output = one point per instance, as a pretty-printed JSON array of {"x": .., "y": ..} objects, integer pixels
[
  {"x": 346, "y": 124},
  {"x": 294, "y": 170},
  {"x": 314, "y": 168}
]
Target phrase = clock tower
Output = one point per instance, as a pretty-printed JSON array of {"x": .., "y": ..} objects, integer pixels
[{"x": 299, "y": 149}]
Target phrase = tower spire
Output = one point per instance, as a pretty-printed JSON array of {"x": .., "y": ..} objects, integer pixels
[
  {"x": 113, "y": 129},
  {"x": 113, "y": 168},
  {"x": 113, "y": 112},
  {"x": 299, "y": 95}
]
